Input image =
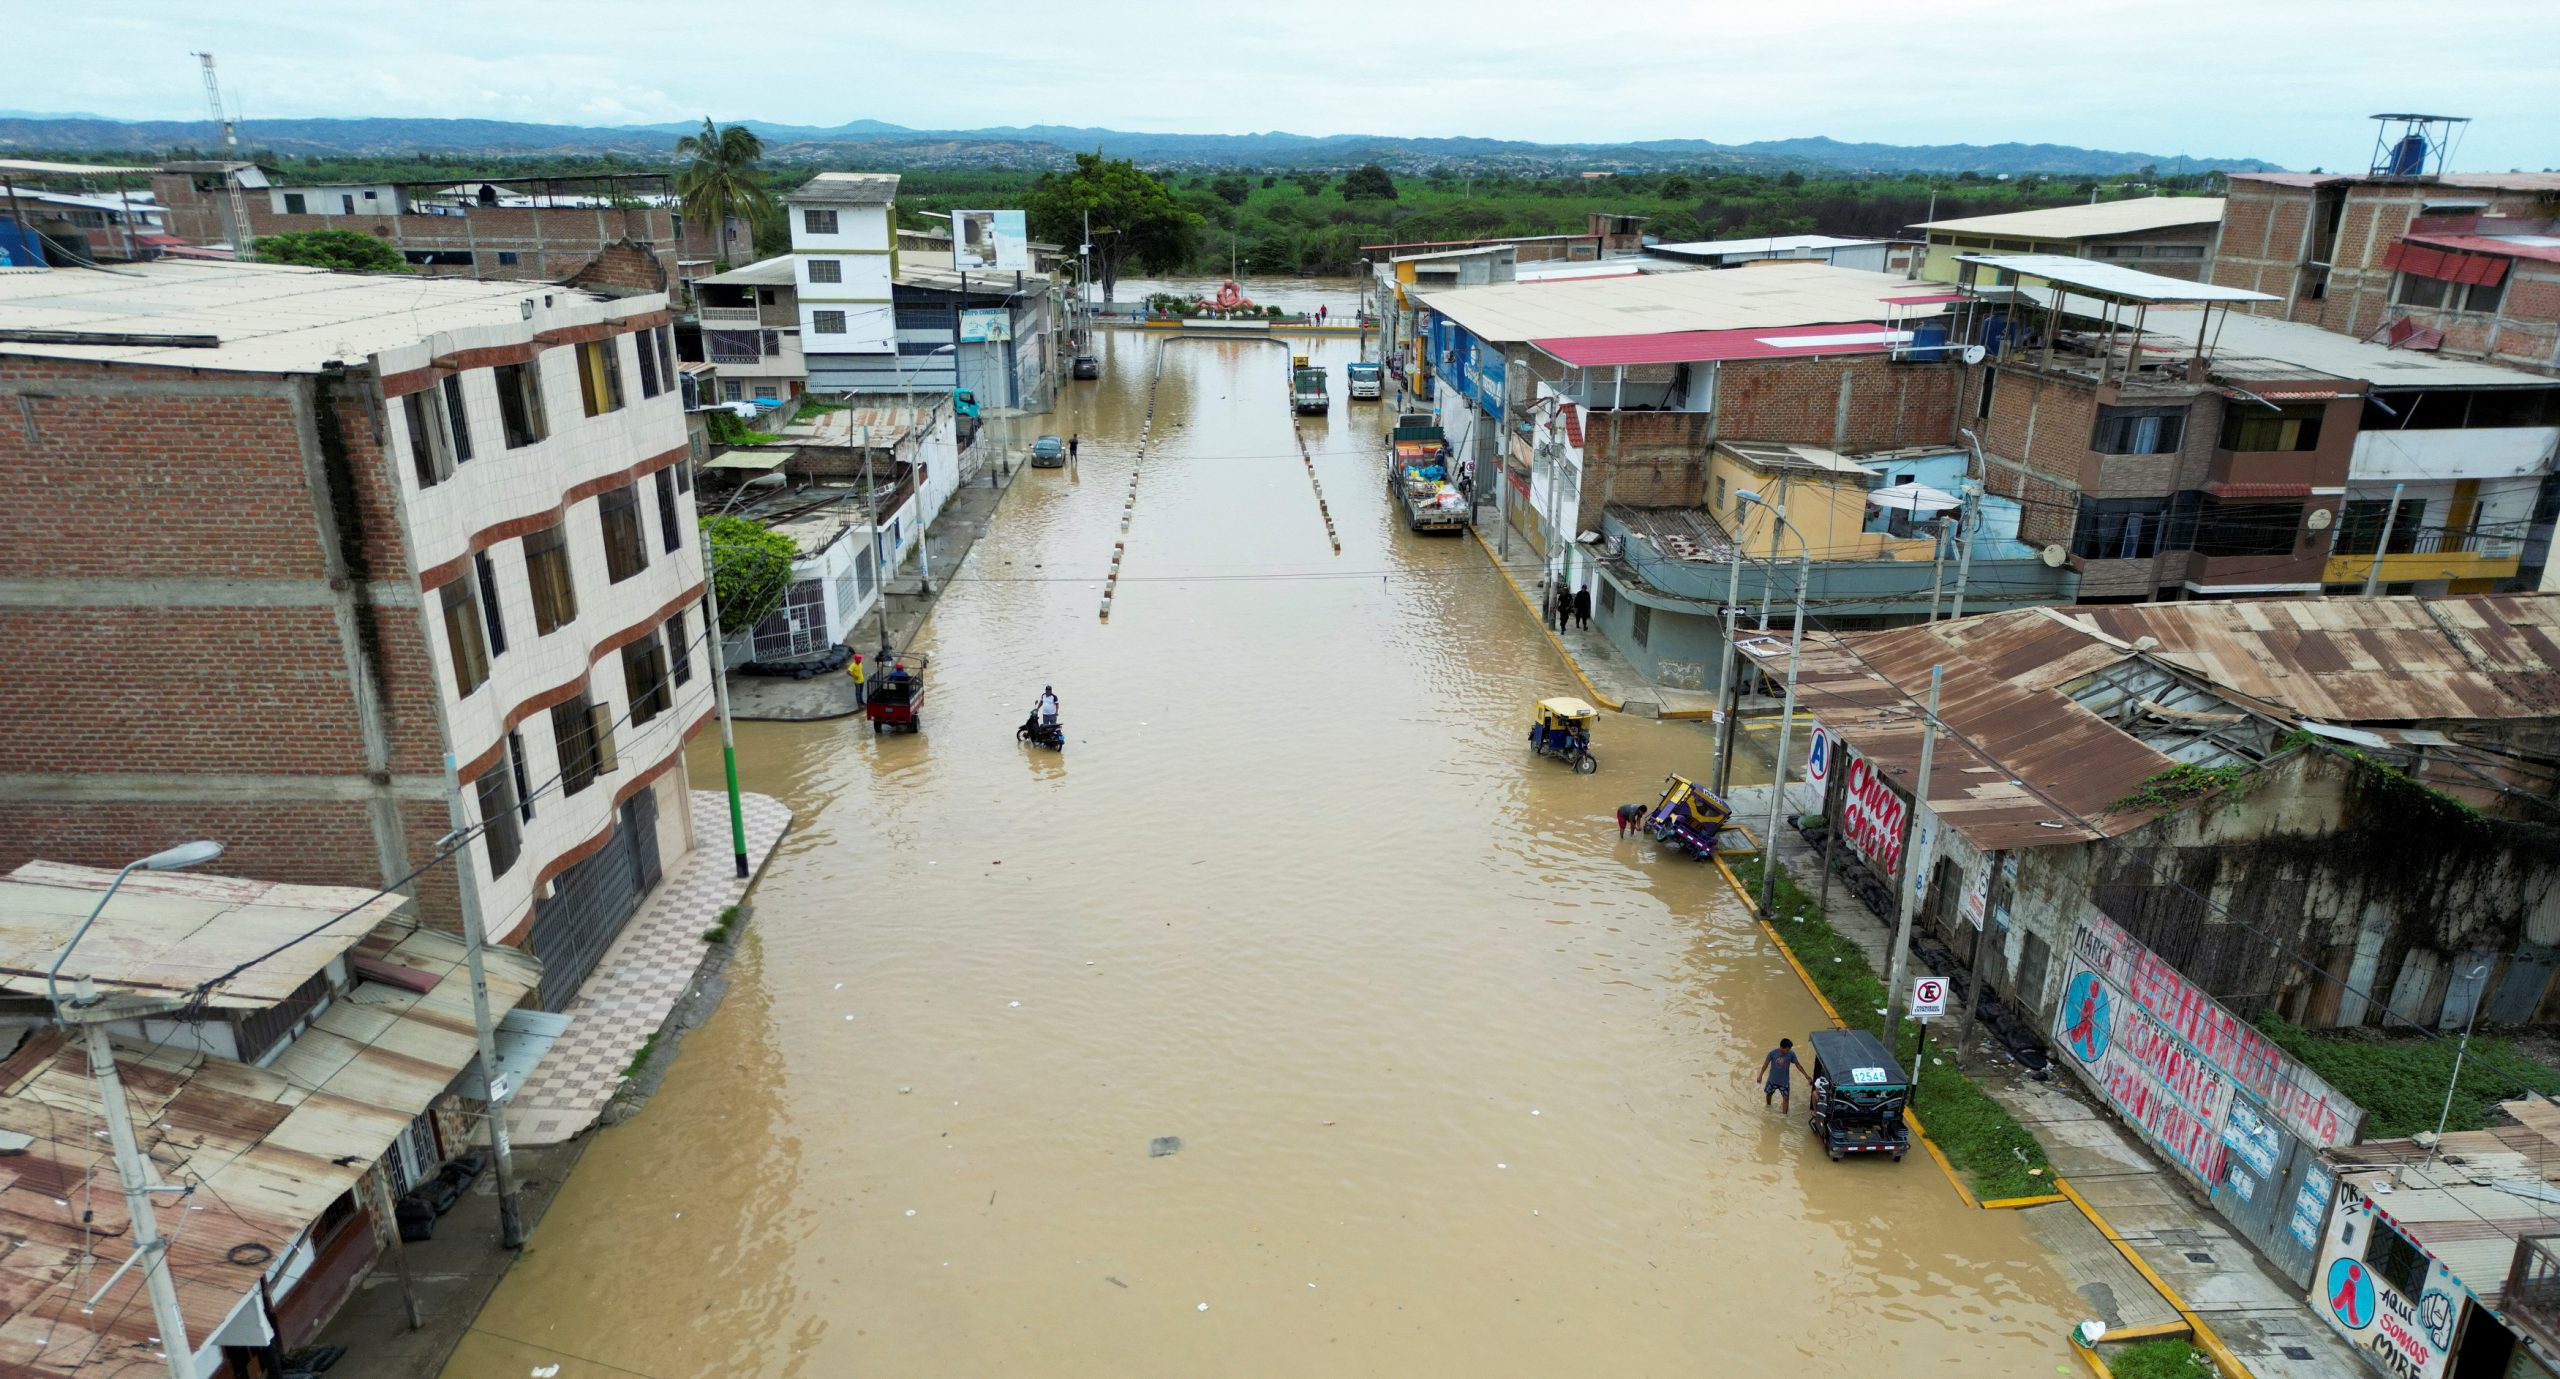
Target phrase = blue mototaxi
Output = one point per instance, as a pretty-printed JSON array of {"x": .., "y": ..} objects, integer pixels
[
  {"x": 1687, "y": 818},
  {"x": 1563, "y": 731}
]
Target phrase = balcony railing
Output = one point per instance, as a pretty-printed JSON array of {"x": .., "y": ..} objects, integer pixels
[
  {"x": 2533, "y": 1287},
  {"x": 731, "y": 316},
  {"x": 2498, "y": 542}
]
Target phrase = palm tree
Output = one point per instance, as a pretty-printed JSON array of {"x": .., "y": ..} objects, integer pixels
[{"x": 720, "y": 182}]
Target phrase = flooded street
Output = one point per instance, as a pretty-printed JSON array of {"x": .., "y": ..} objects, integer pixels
[{"x": 1462, "y": 1082}]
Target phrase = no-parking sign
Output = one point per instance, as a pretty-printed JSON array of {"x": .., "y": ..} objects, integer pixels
[{"x": 1928, "y": 998}]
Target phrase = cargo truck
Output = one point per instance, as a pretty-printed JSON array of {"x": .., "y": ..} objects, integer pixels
[
  {"x": 1418, "y": 477},
  {"x": 1306, "y": 387},
  {"x": 1363, "y": 380}
]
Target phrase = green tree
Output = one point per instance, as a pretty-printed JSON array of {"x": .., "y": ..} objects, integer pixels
[
  {"x": 1368, "y": 182},
  {"x": 721, "y": 180},
  {"x": 1675, "y": 188},
  {"x": 1233, "y": 188},
  {"x": 1313, "y": 183},
  {"x": 348, "y": 251},
  {"x": 1135, "y": 220},
  {"x": 1269, "y": 181},
  {"x": 750, "y": 570}
]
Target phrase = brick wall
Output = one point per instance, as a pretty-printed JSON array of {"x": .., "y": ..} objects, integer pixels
[
  {"x": 622, "y": 269},
  {"x": 1648, "y": 459},
  {"x": 299, "y": 841},
  {"x": 1890, "y": 405}
]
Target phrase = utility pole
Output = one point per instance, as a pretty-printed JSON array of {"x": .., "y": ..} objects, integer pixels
[
  {"x": 475, "y": 938},
  {"x": 139, "y": 1183},
  {"x": 1726, "y": 699},
  {"x": 1992, "y": 897},
  {"x": 2390, "y": 518},
  {"x": 1904, "y": 880},
  {"x": 871, "y": 505},
  {"x": 1965, "y": 521},
  {"x": 720, "y": 698}
]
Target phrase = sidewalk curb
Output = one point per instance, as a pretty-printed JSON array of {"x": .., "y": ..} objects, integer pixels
[
  {"x": 1612, "y": 705},
  {"x": 2203, "y": 1335}
]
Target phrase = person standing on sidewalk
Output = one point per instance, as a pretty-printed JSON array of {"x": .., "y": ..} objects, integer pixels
[
  {"x": 853, "y": 668},
  {"x": 1582, "y": 608}
]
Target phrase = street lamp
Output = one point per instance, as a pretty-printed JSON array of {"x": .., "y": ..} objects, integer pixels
[
  {"x": 132, "y": 1169},
  {"x": 2478, "y": 977},
  {"x": 1787, "y": 714}
]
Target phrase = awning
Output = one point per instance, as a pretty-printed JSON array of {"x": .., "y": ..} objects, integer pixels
[{"x": 750, "y": 459}]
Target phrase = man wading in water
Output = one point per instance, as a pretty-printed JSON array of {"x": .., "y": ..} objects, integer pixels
[{"x": 1775, "y": 1065}]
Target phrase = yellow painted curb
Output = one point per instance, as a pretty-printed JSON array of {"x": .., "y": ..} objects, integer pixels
[
  {"x": 1918, "y": 1130},
  {"x": 1614, "y": 706},
  {"x": 2157, "y": 1331},
  {"x": 1690, "y": 714},
  {"x": 2205, "y": 1339},
  {"x": 2096, "y": 1363},
  {"x": 2005, "y": 1203}
]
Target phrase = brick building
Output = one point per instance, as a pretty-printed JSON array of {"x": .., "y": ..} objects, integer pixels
[
  {"x": 275, "y": 543},
  {"x": 516, "y": 230},
  {"x": 2458, "y": 263}
]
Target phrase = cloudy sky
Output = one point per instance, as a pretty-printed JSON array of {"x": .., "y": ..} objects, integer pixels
[{"x": 2287, "y": 80}]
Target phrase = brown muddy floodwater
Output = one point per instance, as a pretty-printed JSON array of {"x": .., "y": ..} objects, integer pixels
[{"x": 1462, "y": 1081}]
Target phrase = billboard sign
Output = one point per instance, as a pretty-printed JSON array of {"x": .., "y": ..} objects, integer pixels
[
  {"x": 993, "y": 324},
  {"x": 1874, "y": 817},
  {"x": 989, "y": 242},
  {"x": 2199, "y": 1081}
]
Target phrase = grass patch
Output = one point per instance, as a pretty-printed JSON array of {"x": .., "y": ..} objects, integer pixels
[
  {"x": 1976, "y": 1133},
  {"x": 2167, "y": 1358},
  {"x": 725, "y": 929},
  {"x": 2400, "y": 1079},
  {"x": 640, "y": 1059}
]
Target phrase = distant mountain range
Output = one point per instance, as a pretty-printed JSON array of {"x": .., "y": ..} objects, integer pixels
[{"x": 1050, "y": 145}]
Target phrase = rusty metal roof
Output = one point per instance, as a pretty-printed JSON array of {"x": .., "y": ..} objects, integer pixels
[
  {"x": 2025, "y": 762},
  {"x": 2022, "y": 764},
  {"x": 2360, "y": 660},
  {"x": 269, "y": 1149},
  {"x": 167, "y": 932}
]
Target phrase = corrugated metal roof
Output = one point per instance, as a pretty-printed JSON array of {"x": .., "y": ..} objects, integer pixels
[
  {"x": 35, "y": 167},
  {"x": 848, "y": 188},
  {"x": 268, "y": 1148},
  {"x": 772, "y": 272},
  {"x": 2044, "y": 756},
  {"x": 1762, "y": 244},
  {"x": 2089, "y": 221},
  {"x": 2107, "y": 280},
  {"x": 1700, "y": 346},
  {"x": 2542, "y": 247},
  {"x": 168, "y": 931},
  {"x": 1767, "y": 298}
]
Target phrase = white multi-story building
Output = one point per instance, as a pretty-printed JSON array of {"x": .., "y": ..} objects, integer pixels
[
  {"x": 843, "y": 251},
  {"x": 276, "y": 544}
]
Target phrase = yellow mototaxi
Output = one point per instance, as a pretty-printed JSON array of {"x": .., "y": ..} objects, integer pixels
[
  {"x": 1563, "y": 731},
  {"x": 1688, "y": 817}
]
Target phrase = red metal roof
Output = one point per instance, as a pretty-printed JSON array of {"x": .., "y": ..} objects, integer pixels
[
  {"x": 1701, "y": 346},
  {"x": 2489, "y": 244}
]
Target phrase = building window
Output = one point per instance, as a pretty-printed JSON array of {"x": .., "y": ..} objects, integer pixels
[
  {"x": 546, "y": 568},
  {"x": 2239, "y": 529},
  {"x": 1719, "y": 503},
  {"x": 2119, "y": 528},
  {"x": 826, "y": 322},
  {"x": 2413, "y": 290},
  {"x": 506, "y": 258},
  {"x": 2127, "y": 431},
  {"x": 679, "y": 649},
  {"x": 500, "y": 831},
  {"x": 649, "y": 386},
  {"x": 666, "y": 351},
  {"x": 583, "y": 733},
  {"x": 437, "y": 258},
  {"x": 670, "y": 531},
  {"x": 626, "y": 551},
  {"x": 2177, "y": 251},
  {"x": 1641, "y": 624},
  {"x": 457, "y": 419},
  {"x": 600, "y": 376},
  {"x": 1982, "y": 405},
  {"x": 294, "y": 204},
  {"x": 430, "y": 451},
  {"x": 826, "y": 271},
  {"x": 523, "y": 773},
  {"x": 644, "y": 678},
  {"x": 2484, "y": 296},
  {"x": 2395, "y": 1260},
  {"x": 819, "y": 222},
  {"x": 520, "y": 404},
  {"x": 487, "y": 574},
  {"x": 2252, "y": 428},
  {"x": 464, "y": 641},
  {"x": 1608, "y": 597},
  {"x": 2360, "y": 525}
]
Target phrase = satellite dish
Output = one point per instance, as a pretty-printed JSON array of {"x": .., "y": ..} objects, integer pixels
[
  {"x": 1975, "y": 354},
  {"x": 2054, "y": 555}
]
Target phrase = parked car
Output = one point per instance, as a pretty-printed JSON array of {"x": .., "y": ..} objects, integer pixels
[
  {"x": 1088, "y": 366},
  {"x": 1048, "y": 452}
]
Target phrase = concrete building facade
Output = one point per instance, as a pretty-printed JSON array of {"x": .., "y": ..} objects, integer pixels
[{"x": 270, "y": 578}]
